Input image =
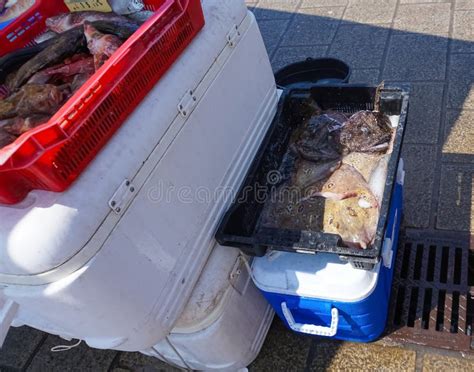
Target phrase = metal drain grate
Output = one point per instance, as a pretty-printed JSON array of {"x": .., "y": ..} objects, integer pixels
[{"x": 432, "y": 300}]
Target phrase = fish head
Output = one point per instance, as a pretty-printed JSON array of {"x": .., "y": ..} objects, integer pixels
[
  {"x": 366, "y": 131},
  {"x": 57, "y": 23}
]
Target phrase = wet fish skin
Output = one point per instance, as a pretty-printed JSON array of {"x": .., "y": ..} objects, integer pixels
[
  {"x": 101, "y": 46},
  {"x": 81, "y": 66},
  {"x": 33, "y": 99},
  {"x": 366, "y": 131},
  {"x": 316, "y": 143},
  {"x": 308, "y": 172},
  {"x": 357, "y": 226},
  {"x": 346, "y": 182},
  {"x": 18, "y": 125},
  {"x": 123, "y": 30},
  {"x": 6, "y": 138},
  {"x": 67, "y": 21},
  {"x": 364, "y": 162},
  {"x": 64, "y": 46}
]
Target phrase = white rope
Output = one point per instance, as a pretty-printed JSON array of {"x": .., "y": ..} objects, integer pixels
[{"x": 61, "y": 348}]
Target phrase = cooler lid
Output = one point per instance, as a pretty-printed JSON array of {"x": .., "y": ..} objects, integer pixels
[
  {"x": 48, "y": 229},
  {"x": 321, "y": 276}
]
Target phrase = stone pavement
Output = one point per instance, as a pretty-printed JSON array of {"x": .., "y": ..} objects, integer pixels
[{"x": 429, "y": 43}]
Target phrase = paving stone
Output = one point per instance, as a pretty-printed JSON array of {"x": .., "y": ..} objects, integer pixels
[
  {"x": 283, "y": 350},
  {"x": 139, "y": 362},
  {"x": 370, "y": 11},
  {"x": 19, "y": 346},
  {"x": 361, "y": 46},
  {"x": 441, "y": 363},
  {"x": 463, "y": 4},
  {"x": 313, "y": 26},
  {"x": 420, "y": 167},
  {"x": 80, "y": 358},
  {"x": 334, "y": 356},
  {"x": 275, "y": 9},
  {"x": 458, "y": 144},
  {"x": 461, "y": 81},
  {"x": 315, "y": 3},
  {"x": 287, "y": 55},
  {"x": 456, "y": 198},
  {"x": 432, "y": 19},
  {"x": 414, "y": 57},
  {"x": 367, "y": 76},
  {"x": 463, "y": 31},
  {"x": 272, "y": 32},
  {"x": 424, "y": 114}
]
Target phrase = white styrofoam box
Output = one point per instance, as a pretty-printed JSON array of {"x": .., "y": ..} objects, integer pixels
[
  {"x": 127, "y": 284},
  {"x": 224, "y": 323},
  {"x": 50, "y": 229}
]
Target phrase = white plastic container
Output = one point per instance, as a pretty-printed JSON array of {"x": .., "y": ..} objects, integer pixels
[
  {"x": 112, "y": 261},
  {"x": 224, "y": 323}
]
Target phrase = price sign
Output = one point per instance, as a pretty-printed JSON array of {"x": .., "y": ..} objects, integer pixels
[{"x": 88, "y": 5}]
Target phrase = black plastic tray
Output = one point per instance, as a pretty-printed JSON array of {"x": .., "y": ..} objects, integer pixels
[{"x": 239, "y": 227}]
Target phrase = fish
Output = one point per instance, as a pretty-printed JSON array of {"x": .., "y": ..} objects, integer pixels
[
  {"x": 4, "y": 92},
  {"x": 101, "y": 46},
  {"x": 121, "y": 29},
  {"x": 48, "y": 35},
  {"x": 9, "y": 63},
  {"x": 68, "y": 21},
  {"x": 80, "y": 66},
  {"x": 378, "y": 178},
  {"x": 346, "y": 182},
  {"x": 308, "y": 172},
  {"x": 33, "y": 99},
  {"x": 316, "y": 143},
  {"x": 364, "y": 162},
  {"x": 6, "y": 138},
  {"x": 64, "y": 46},
  {"x": 17, "y": 126},
  {"x": 141, "y": 17},
  {"x": 336, "y": 120},
  {"x": 366, "y": 131},
  {"x": 355, "y": 225},
  {"x": 79, "y": 80}
]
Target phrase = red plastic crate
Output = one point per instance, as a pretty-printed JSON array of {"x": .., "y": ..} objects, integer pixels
[{"x": 53, "y": 155}]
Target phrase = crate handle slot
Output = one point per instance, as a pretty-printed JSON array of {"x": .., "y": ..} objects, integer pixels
[{"x": 312, "y": 329}]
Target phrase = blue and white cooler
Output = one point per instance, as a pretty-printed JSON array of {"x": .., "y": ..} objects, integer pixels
[{"x": 323, "y": 295}]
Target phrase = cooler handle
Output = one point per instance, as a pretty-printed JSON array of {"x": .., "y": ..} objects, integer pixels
[{"x": 312, "y": 329}]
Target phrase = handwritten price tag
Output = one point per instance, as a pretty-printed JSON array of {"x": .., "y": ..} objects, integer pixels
[{"x": 88, "y": 5}]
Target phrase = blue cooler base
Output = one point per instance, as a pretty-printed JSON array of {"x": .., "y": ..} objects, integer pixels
[{"x": 360, "y": 321}]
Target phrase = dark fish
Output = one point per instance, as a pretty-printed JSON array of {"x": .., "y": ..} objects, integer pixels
[
  {"x": 4, "y": 92},
  {"x": 33, "y": 99},
  {"x": 61, "y": 47},
  {"x": 317, "y": 143},
  {"x": 101, "y": 46},
  {"x": 121, "y": 29},
  {"x": 366, "y": 131},
  {"x": 10, "y": 62},
  {"x": 18, "y": 125},
  {"x": 79, "y": 80},
  {"x": 5, "y": 138},
  {"x": 81, "y": 66},
  {"x": 67, "y": 21}
]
